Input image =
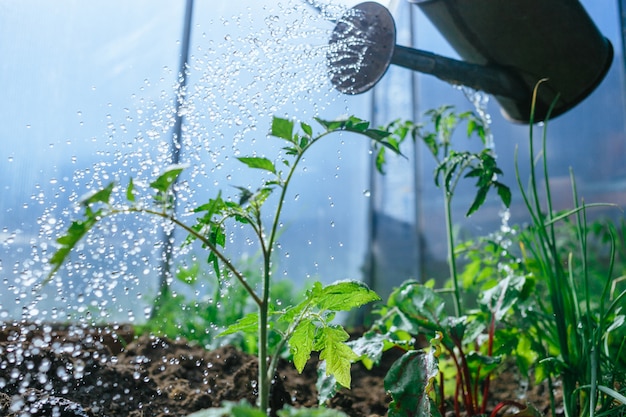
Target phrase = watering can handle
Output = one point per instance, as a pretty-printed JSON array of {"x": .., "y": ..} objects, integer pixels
[{"x": 490, "y": 79}]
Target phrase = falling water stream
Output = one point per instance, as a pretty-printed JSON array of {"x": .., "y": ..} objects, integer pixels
[{"x": 259, "y": 65}]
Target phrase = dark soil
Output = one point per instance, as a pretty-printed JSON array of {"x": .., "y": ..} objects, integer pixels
[{"x": 103, "y": 372}]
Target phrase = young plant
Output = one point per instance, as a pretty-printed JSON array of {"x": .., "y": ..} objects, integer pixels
[
  {"x": 464, "y": 346},
  {"x": 305, "y": 327},
  {"x": 577, "y": 322}
]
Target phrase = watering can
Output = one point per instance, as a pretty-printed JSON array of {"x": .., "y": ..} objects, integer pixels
[{"x": 506, "y": 46}]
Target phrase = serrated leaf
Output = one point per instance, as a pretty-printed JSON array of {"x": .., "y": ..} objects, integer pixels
[
  {"x": 76, "y": 231},
  {"x": 330, "y": 125},
  {"x": 98, "y": 196},
  {"x": 504, "y": 192},
  {"x": 345, "y": 295},
  {"x": 301, "y": 343},
  {"x": 248, "y": 324},
  {"x": 282, "y": 128},
  {"x": 259, "y": 163},
  {"x": 481, "y": 196},
  {"x": 167, "y": 179},
  {"x": 336, "y": 353}
]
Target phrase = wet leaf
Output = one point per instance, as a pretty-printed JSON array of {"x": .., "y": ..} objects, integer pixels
[
  {"x": 301, "y": 343},
  {"x": 504, "y": 192},
  {"x": 259, "y": 163},
  {"x": 345, "y": 295},
  {"x": 167, "y": 179},
  {"x": 336, "y": 353},
  {"x": 130, "y": 190},
  {"x": 370, "y": 348},
  {"x": 409, "y": 381},
  {"x": 306, "y": 129},
  {"x": 98, "y": 196},
  {"x": 247, "y": 324},
  {"x": 282, "y": 128}
]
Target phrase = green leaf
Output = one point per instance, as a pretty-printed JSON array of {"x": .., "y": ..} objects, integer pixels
[
  {"x": 331, "y": 125},
  {"x": 98, "y": 196},
  {"x": 301, "y": 343},
  {"x": 420, "y": 304},
  {"x": 306, "y": 129},
  {"x": 76, "y": 231},
  {"x": 380, "y": 160},
  {"x": 409, "y": 382},
  {"x": 282, "y": 128},
  {"x": 481, "y": 196},
  {"x": 336, "y": 353},
  {"x": 504, "y": 192},
  {"x": 370, "y": 348},
  {"x": 345, "y": 295},
  {"x": 167, "y": 179},
  {"x": 130, "y": 190},
  {"x": 247, "y": 324},
  {"x": 259, "y": 163},
  {"x": 189, "y": 275}
]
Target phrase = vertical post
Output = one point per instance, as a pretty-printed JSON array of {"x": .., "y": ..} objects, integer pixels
[
  {"x": 417, "y": 155},
  {"x": 176, "y": 147}
]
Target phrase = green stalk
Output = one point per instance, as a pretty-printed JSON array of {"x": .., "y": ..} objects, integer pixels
[
  {"x": 451, "y": 254},
  {"x": 264, "y": 367}
]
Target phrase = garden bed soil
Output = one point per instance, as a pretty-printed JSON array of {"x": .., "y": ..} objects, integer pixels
[{"x": 107, "y": 372}]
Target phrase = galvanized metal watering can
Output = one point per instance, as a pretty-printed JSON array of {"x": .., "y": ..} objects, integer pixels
[{"x": 507, "y": 46}]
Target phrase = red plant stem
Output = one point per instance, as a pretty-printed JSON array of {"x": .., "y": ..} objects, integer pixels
[
  {"x": 506, "y": 403},
  {"x": 463, "y": 381},
  {"x": 492, "y": 332},
  {"x": 470, "y": 401},
  {"x": 457, "y": 408}
]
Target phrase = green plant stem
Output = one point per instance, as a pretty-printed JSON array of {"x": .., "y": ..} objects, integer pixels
[
  {"x": 451, "y": 255},
  {"x": 265, "y": 368}
]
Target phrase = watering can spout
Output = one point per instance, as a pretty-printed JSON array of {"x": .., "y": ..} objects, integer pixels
[{"x": 507, "y": 65}]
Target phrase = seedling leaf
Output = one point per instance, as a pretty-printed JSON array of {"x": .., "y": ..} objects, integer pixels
[
  {"x": 99, "y": 196},
  {"x": 336, "y": 353},
  {"x": 248, "y": 324},
  {"x": 167, "y": 179},
  {"x": 301, "y": 343},
  {"x": 345, "y": 295},
  {"x": 130, "y": 190},
  {"x": 306, "y": 129},
  {"x": 282, "y": 128},
  {"x": 259, "y": 163}
]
